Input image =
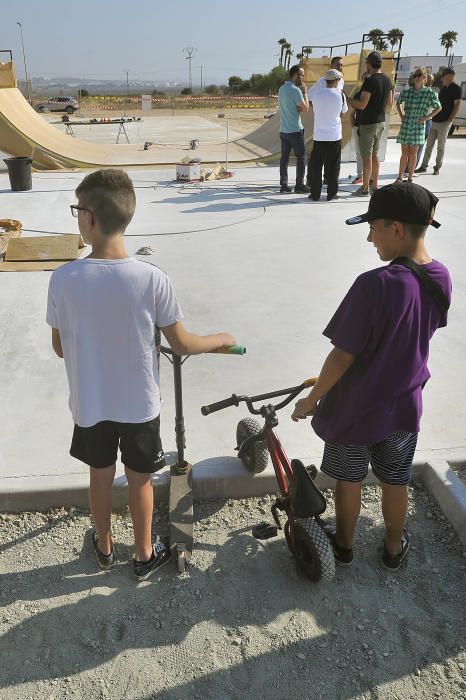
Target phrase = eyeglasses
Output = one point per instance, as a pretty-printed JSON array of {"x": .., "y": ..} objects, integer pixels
[{"x": 75, "y": 210}]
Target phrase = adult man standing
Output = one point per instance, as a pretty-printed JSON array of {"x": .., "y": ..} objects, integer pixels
[
  {"x": 376, "y": 97},
  {"x": 292, "y": 100},
  {"x": 328, "y": 105},
  {"x": 337, "y": 64},
  {"x": 450, "y": 99}
]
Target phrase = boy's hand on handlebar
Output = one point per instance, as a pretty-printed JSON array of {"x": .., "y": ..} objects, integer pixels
[
  {"x": 303, "y": 409},
  {"x": 224, "y": 340}
]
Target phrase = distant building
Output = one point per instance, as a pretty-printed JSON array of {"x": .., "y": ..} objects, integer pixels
[{"x": 408, "y": 64}]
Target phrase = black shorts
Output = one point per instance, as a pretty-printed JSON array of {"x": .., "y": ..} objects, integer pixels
[{"x": 140, "y": 445}]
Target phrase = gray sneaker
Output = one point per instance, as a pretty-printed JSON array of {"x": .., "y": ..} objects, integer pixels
[
  {"x": 105, "y": 561},
  {"x": 360, "y": 192}
]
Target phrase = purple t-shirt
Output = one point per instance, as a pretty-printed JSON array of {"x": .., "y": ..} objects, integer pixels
[{"x": 387, "y": 320}]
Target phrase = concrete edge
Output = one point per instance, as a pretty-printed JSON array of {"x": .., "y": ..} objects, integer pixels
[
  {"x": 449, "y": 492},
  {"x": 221, "y": 477}
]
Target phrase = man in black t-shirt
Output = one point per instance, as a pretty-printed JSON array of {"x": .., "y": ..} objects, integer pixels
[
  {"x": 376, "y": 97},
  {"x": 450, "y": 99}
]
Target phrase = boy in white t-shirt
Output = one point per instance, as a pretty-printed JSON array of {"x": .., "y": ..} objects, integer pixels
[{"x": 103, "y": 311}]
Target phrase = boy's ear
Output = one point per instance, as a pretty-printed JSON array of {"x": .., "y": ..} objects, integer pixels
[{"x": 399, "y": 230}]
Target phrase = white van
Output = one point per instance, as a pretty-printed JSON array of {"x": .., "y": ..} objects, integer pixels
[{"x": 460, "y": 79}]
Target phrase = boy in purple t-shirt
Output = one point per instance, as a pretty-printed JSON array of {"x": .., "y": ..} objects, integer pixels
[{"x": 367, "y": 402}]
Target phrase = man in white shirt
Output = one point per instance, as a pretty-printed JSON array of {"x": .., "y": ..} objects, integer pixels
[{"x": 328, "y": 105}]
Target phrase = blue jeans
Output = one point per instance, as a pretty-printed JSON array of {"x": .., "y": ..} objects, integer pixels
[{"x": 292, "y": 142}]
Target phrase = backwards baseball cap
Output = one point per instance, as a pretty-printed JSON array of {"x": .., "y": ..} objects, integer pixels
[
  {"x": 375, "y": 59},
  {"x": 404, "y": 201},
  {"x": 333, "y": 74}
]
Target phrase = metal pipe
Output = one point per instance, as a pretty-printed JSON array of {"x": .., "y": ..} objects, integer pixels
[
  {"x": 179, "y": 418},
  {"x": 28, "y": 87}
]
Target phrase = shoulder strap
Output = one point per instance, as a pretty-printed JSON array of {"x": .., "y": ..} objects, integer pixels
[{"x": 427, "y": 282}]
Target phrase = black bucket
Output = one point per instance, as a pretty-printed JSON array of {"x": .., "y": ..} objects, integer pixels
[{"x": 20, "y": 173}]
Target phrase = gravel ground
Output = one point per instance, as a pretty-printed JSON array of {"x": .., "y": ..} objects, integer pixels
[{"x": 242, "y": 622}]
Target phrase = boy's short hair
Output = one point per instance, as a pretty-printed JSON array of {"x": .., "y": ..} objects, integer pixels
[
  {"x": 110, "y": 196},
  {"x": 415, "y": 230},
  {"x": 294, "y": 70}
]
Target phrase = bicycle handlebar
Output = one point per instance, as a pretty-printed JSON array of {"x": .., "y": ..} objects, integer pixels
[
  {"x": 235, "y": 400},
  {"x": 220, "y": 405}
]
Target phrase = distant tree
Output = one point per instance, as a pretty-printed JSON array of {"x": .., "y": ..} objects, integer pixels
[
  {"x": 186, "y": 91},
  {"x": 82, "y": 92},
  {"x": 448, "y": 39},
  {"x": 394, "y": 37},
  {"x": 212, "y": 89},
  {"x": 299, "y": 56},
  {"x": 234, "y": 81},
  {"x": 282, "y": 43},
  {"x": 375, "y": 36},
  {"x": 157, "y": 92},
  {"x": 307, "y": 51}
]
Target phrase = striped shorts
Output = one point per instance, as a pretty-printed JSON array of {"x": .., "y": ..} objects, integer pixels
[{"x": 390, "y": 459}]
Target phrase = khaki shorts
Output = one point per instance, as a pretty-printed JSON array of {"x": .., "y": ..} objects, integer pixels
[{"x": 369, "y": 138}]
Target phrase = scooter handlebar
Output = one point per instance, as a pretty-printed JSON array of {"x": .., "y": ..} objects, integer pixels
[
  {"x": 231, "y": 350},
  {"x": 219, "y": 405}
]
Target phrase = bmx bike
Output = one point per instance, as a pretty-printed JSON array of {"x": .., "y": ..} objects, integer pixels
[{"x": 299, "y": 498}]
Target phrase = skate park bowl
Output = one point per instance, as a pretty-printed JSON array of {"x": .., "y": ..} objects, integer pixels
[{"x": 25, "y": 133}]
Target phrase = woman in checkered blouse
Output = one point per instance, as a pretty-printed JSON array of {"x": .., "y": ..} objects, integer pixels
[{"x": 416, "y": 103}]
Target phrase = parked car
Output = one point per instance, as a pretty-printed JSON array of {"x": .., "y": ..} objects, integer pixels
[{"x": 58, "y": 104}]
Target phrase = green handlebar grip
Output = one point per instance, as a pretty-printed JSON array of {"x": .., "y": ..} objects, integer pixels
[{"x": 232, "y": 350}]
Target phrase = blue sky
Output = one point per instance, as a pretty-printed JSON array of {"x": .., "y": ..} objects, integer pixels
[{"x": 102, "y": 39}]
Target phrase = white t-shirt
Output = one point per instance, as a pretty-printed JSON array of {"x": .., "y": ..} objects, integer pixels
[
  {"x": 328, "y": 105},
  {"x": 106, "y": 312}
]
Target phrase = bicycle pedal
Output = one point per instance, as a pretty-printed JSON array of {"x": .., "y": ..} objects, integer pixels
[{"x": 264, "y": 531}]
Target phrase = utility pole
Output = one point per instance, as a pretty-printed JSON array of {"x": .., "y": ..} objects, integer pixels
[
  {"x": 201, "y": 79},
  {"x": 190, "y": 51},
  {"x": 127, "y": 92},
  {"x": 28, "y": 87}
]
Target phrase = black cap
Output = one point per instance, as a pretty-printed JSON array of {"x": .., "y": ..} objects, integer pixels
[
  {"x": 404, "y": 201},
  {"x": 375, "y": 59}
]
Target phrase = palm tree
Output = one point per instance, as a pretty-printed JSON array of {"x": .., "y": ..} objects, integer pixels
[
  {"x": 299, "y": 56},
  {"x": 307, "y": 51},
  {"x": 282, "y": 43},
  {"x": 448, "y": 39},
  {"x": 289, "y": 54},
  {"x": 375, "y": 36},
  {"x": 394, "y": 37}
]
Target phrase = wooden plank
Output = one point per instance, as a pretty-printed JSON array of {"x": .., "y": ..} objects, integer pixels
[
  {"x": 34, "y": 266},
  {"x": 5, "y": 237},
  {"x": 42, "y": 248}
]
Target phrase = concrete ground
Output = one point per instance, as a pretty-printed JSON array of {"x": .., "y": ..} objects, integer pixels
[{"x": 271, "y": 269}]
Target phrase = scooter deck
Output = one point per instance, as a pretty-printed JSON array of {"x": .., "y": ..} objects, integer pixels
[{"x": 181, "y": 512}]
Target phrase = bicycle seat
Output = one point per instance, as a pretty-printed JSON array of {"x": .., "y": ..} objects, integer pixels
[{"x": 306, "y": 499}]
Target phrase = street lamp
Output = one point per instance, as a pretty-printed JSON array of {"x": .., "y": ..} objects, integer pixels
[{"x": 28, "y": 87}]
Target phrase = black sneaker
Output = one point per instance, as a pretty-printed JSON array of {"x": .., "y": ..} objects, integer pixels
[
  {"x": 343, "y": 557},
  {"x": 302, "y": 189},
  {"x": 392, "y": 562},
  {"x": 421, "y": 169},
  {"x": 106, "y": 561},
  {"x": 161, "y": 555},
  {"x": 285, "y": 189}
]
